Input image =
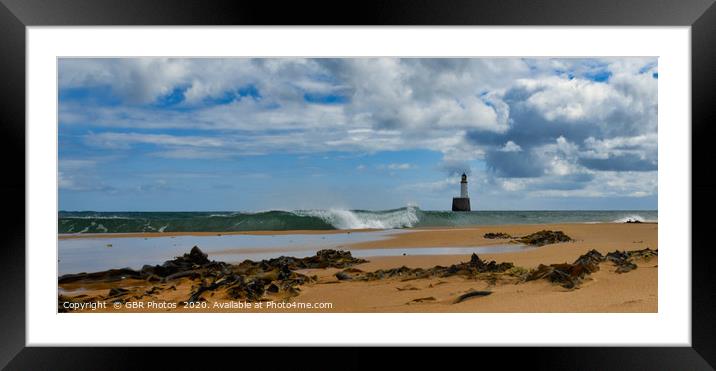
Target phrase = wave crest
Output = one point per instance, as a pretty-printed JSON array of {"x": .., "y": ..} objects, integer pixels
[
  {"x": 346, "y": 219},
  {"x": 631, "y": 219}
]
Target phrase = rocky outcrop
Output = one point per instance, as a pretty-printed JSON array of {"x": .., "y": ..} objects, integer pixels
[
  {"x": 248, "y": 280},
  {"x": 570, "y": 276},
  {"x": 469, "y": 269},
  {"x": 544, "y": 237},
  {"x": 497, "y": 236}
]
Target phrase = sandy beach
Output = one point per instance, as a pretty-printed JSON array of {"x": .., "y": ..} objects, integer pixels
[{"x": 603, "y": 290}]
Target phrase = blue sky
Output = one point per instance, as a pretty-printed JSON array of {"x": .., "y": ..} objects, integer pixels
[{"x": 162, "y": 134}]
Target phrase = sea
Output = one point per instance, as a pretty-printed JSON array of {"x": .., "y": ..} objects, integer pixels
[{"x": 72, "y": 222}]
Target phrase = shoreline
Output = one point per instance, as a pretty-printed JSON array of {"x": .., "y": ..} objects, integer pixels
[
  {"x": 67, "y": 236},
  {"x": 605, "y": 290}
]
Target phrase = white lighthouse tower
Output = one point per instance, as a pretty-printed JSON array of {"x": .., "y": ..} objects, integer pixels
[
  {"x": 463, "y": 186},
  {"x": 462, "y": 203}
]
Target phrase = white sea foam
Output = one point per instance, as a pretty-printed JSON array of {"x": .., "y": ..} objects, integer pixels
[
  {"x": 346, "y": 219},
  {"x": 633, "y": 218}
]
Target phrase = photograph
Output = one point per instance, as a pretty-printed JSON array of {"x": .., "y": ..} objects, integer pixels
[
  {"x": 357, "y": 184},
  {"x": 195, "y": 183}
]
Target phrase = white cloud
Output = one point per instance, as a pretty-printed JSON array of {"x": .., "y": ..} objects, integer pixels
[
  {"x": 572, "y": 100},
  {"x": 571, "y": 125},
  {"x": 429, "y": 103},
  {"x": 511, "y": 146},
  {"x": 124, "y": 140}
]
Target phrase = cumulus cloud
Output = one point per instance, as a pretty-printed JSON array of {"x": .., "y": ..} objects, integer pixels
[
  {"x": 546, "y": 125},
  {"x": 511, "y": 146}
]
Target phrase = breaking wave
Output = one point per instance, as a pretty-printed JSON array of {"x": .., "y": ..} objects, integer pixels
[
  {"x": 634, "y": 218},
  {"x": 323, "y": 219},
  {"x": 361, "y": 219}
]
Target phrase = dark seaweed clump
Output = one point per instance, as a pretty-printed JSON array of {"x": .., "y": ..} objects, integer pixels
[
  {"x": 248, "y": 280},
  {"x": 469, "y": 269},
  {"x": 544, "y": 237},
  {"x": 571, "y": 276},
  {"x": 498, "y": 235}
]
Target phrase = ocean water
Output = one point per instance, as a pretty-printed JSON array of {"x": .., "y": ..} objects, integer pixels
[{"x": 124, "y": 222}]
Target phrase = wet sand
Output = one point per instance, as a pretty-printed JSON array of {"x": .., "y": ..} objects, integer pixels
[{"x": 602, "y": 291}]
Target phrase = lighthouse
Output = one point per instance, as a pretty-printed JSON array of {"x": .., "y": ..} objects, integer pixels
[{"x": 462, "y": 203}]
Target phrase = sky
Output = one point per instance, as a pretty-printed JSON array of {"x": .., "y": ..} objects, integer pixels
[{"x": 241, "y": 134}]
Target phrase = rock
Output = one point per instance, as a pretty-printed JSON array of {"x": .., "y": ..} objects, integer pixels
[
  {"x": 284, "y": 272},
  {"x": 197, "y": 256},
  {"x": 421, "y": 300},
  {"x": 475, "y": 260},
  {"x": 117, "y": 291},
  {"x": 623, "y": 260},
  {"x": 272, "y": 288},
  {"x": 469, "y": 270},
  {"x": 191, "y": 274},
  {"x": 617, "y": 256},
  {"x": 471, "y": 294},
  {"x": 645, "y": 254},
  {"x": 106, "y": 276},
  {"x": 544, "y": 237},
  {"x": 625, "y": 267},
  {"x": 343, "y": 276},
  {"x": 567, "y": 275},
  {"x": 153, "y": 278},
  {"x": 498, "y": 235},
  {"x": 254, "y": 290},
  {"x": 590, "y": 258},
  {"x": 571, "y": 275}
]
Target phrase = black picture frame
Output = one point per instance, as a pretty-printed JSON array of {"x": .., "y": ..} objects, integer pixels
[{"x": 16, "y": 15}]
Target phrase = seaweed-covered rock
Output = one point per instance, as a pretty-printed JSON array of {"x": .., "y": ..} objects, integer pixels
[
  {"x": 571, "y": 275},
  {"x": 272, "y": 288},
  {"x": 590, "y": 258},
  {"x": 471, "y": 294},
  {"x": 327, "y": 258},
  {"x": 544, "y": 237},
  {"x": 422, "y": 300},
  {"x": 343, "y": 276},
  {"x": 625, "y": 267},
  {"x": 106, "y": 276},
  {"x": 624, "y": 260},
  {"x": 644, "y": 254},
  {"x": 117, "y": 291},
  {"x": 498, "y": 235},
  {"x": 469, "y": 269},
  {"x": 332, "y": 258}
]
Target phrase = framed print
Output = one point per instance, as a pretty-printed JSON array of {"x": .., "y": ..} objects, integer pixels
[{"x": 503, "y": 181}]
